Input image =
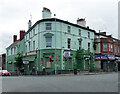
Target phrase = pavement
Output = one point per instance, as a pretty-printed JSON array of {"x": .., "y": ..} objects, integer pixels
[
  {"x": 78, "y": 73},
  {"x": 89, "y": 73}
]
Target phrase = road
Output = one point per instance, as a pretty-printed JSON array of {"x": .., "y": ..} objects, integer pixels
[{"x": 78, "y": 83}]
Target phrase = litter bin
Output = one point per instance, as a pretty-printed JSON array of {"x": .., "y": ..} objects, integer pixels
[
  {"x": 75, "y": 71},
  {"x": 44, "y": 72}
]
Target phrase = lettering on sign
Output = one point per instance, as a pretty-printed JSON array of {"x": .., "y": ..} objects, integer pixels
[{"x": 31, "y": 53}]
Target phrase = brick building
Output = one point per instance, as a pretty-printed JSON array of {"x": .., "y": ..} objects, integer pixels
[{"x": 107, "y": 53}]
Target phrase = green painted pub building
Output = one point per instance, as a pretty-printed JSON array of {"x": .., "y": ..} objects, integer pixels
[{"x": 53, "y": 44}]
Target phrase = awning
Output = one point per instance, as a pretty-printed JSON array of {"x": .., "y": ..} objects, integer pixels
[{"x": 104, "y": 57}]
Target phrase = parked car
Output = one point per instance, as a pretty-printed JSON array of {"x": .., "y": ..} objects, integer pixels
[{"x": 4, "y": 73}]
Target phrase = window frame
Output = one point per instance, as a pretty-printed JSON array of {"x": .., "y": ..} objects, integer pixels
[
  {"x": 88, "y": 45},
  {"x": 69, "y": 43},
  {"x": 48, "y": 27},
  {"x": 68, "y": 29},
  {"x": 47, "y": 46},
  {"x": 33, "y": 45},
  {"x": 88, "y": 34},
  {"x": 105, "y": 47},
  {"x": 79, "y": 32},
  {"x": 80, "y": 44}
]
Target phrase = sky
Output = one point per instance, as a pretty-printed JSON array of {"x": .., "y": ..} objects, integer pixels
[{"x": 14, "y": 15}]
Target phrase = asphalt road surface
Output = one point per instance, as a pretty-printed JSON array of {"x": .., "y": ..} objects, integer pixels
[{"x": 80, "y": 83}]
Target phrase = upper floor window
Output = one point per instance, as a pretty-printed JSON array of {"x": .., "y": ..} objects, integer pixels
[
  {"x": 110, "y": 47},
  {"x": 14, "y": 50},
  {"x": 88, "y": 46},
  {"x": 115, "y": 49},
  {"x": 7, "y": 52},
  {"x": 118, "y": 50},
  {"x": 69, "y": 29},
  {"x": 79, "y": 44},
  {"x": 69, "y": 41},
  {"x": 48, "y": 26},
  {"x": 29, "y": 35},
  {"x": 26, "y": 48},
  {"x": 105, "y": 47},
  {"x": 29, "y": 46},
  {"x": 88, "y": 34},
  {"x": 79, "y": 31},
  {"x": 49, "y": 41},
  {"x": 33, "y": 32},
  {"x": 33, "y": 45},
  {"x": 26, "y": 37}
]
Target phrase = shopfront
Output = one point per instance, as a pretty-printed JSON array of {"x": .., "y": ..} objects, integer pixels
[{"x": 107, "y": 62}]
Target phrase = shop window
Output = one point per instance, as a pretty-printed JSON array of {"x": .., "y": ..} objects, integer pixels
[
  {"x": 70, "y": 63},
  {"x": 48, "y": 63}
]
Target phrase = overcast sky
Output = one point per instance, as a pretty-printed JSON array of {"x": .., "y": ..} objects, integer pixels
[{"x": 14, "y": 15}]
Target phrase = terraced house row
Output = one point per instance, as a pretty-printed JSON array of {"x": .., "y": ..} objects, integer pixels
[{"x": 53, "y": 44}]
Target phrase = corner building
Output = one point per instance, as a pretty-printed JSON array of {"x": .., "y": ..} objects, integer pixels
[{"x": 68, "y": 45}]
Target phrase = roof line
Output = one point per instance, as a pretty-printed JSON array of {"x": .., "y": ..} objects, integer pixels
[{"x": 59, "y": 20}]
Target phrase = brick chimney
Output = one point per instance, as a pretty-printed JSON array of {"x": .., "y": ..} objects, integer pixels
[
  {"x": 14, "y": 38},
  {"x": 22, "y": 32}
]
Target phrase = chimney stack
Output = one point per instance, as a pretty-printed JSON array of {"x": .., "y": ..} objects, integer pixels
[
  {"x": 14, "y": 38},
  {"x": 46, "y": 13},
  {"x": 81, "y": 22},
  {"x": 22, "y": 32}
]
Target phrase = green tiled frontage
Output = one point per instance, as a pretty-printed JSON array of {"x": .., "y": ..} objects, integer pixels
[
  {"x": 85, "y": 60},
  {"x": 81, "y": 59}
]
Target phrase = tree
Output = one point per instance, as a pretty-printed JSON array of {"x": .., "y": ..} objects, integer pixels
[{"x": 19, "y": 61}]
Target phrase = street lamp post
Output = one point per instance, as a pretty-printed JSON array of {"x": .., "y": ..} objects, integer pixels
[{"x": 55, "y": 43}]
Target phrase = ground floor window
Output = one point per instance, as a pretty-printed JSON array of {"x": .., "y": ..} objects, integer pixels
[
  {"x": 48, "y": 63},
  {"x": 70, "y": 63}
]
